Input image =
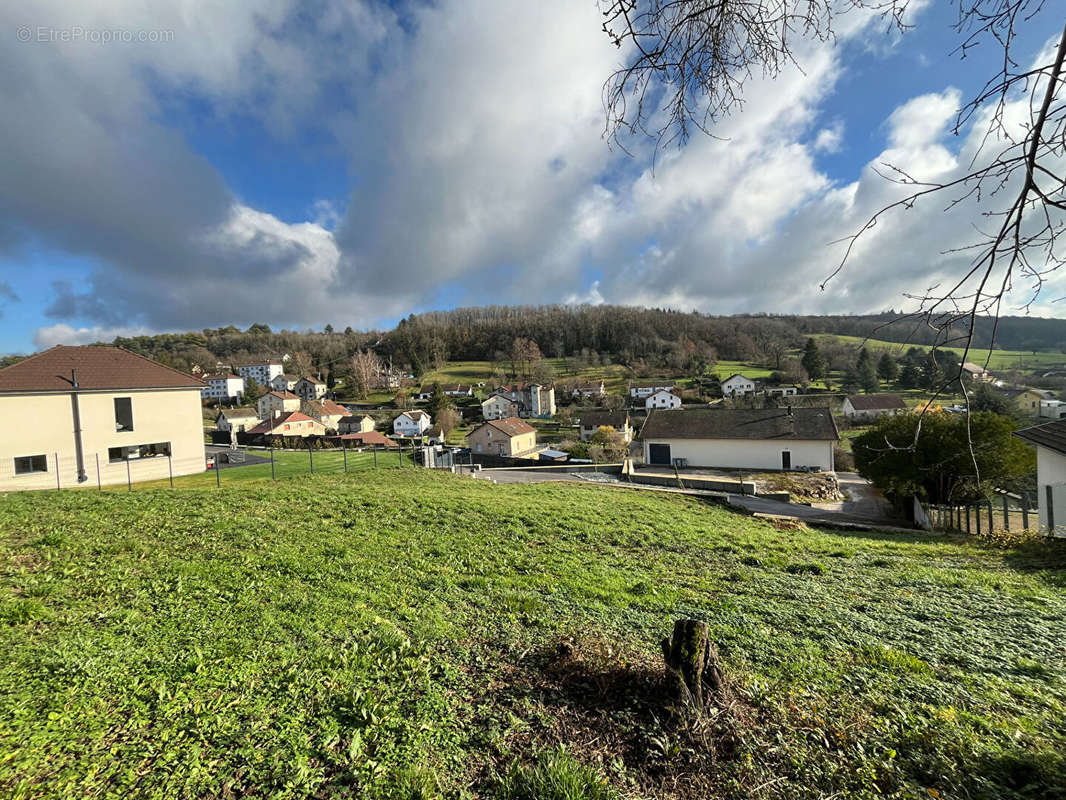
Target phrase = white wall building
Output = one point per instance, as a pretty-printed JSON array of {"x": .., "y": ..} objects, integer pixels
[
  {"x": 736, "y": 385},
  {"x": 639, "y": 391},
  {"x": 1052, "y": 409},
  {"x": 276, "y": 402},
  {"x": 411, "y": 423},
  {"x": 237, "y": 419},
  {"x": 756, "y": 439},
  {"x": 222, "y": 386},
  {"x": 262, "y": 372},
  {"x": 310, "y": 389},
  {"x": 1050, "y": 442},
  {"x": 662, "y": 399}
]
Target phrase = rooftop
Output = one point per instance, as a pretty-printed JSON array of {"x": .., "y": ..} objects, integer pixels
[
  {"x": 876, "y": 402},
  {"x": 509, "y": 426},
  {"x": 1051, "y": 435},
  {"x": 741, "y": 423},
  {"x": 98, "y": 367}
]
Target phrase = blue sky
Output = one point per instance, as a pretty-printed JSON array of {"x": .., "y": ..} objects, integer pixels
[{"x": 352, "y": 162}]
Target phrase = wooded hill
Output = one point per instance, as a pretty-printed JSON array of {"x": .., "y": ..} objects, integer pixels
[{"x": 621, "y": 334}]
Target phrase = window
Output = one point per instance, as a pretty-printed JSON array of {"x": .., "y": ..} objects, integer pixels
[
  {"x": 25, "y": 465},
  {"x": 123, "y": 414},
  {"x": 117, "y": 454}
]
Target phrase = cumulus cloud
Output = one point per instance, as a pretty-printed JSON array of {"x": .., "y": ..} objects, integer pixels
[
  {"x": 480, "y": 172},
  {"x": 61, "y": 333}
]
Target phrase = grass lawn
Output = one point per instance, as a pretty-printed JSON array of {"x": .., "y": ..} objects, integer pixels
[
  {"x": 403, "y": 634},
  {"x": 1000, "y": 359}
]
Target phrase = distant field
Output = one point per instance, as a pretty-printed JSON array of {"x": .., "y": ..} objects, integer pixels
[
  {"x": 1000, "y": 359},
  {"x": 395, "y": 634}
]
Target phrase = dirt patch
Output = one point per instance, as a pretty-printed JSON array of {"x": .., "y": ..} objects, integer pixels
[{"x": 614, "y": 710}]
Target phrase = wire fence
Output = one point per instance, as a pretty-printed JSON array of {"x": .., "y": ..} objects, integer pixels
[{"x": 103, "y": 471}]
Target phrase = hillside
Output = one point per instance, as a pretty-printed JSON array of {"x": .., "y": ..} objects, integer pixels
[{"x": 403, "y": 634}]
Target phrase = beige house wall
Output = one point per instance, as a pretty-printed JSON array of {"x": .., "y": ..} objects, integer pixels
[
  {"x": 489, "y": 440},
  {"x": 46, "y": 427}
]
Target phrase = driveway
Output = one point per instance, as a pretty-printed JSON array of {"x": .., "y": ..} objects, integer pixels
[{"x": 864, "y": 505}]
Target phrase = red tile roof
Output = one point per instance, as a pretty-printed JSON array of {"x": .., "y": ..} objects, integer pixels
[
  {"x": 272, "y": 424},
  {"x": 369, "y": 437},
  {"x": 509, "y": 426},
  {"x": 98, "y": 367},
  {"x": 284, "y": 395}
]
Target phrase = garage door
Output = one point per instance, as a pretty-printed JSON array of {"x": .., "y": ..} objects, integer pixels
[{"x": 659, "y": 454}]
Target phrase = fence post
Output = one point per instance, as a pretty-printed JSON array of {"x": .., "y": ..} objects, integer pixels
[
  {"x": 375, "y": 455},
  {"x": 991, "y": 519},
  {"x": 399, "y": 452},
  {"x": 344, "y": 449},
  {"x": 311, "y": 456},
  {"x": 967, "y": 520},
  {"x": 218, "y": 471},
  {"x": 1025, "y": 511},
  {"x": 977, "y": 516},
  {"x": 99, "y": 483},
  {"x": 1006, "y": 513},
  {"x": 129, "y": 476},
  {"x": 57, "y": 470},
  {"x": 170, "y": 469},
  {"x": 273, "y": 477}
]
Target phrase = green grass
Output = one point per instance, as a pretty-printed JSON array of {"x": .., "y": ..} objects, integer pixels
[
  {"x": 398, "y": 633},
  {"x": 999, "y": 360}
]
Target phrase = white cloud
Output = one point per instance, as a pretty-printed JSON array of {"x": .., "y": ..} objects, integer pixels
[{"x": 61, "y": 333}]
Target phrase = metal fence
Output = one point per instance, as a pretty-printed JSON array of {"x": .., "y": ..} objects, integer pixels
[{"x": 221, "y": 468}]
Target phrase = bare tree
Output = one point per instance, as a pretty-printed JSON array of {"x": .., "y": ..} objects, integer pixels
[
  {"x": 691, "y": 60},
  {"x": 446, "y": 420},
  {"x": 365, "y": 367}
]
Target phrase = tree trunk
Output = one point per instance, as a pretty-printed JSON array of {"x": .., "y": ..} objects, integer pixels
[{"x": 692, "y": 664}]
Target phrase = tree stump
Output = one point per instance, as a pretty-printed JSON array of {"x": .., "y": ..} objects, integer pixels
[{"x": 692, "y": 664}]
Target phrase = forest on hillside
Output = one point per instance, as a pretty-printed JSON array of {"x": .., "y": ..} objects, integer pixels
[{"x": 638, "y": 337}]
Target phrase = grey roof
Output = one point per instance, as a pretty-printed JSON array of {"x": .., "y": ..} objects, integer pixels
[
  {"x": 597, "y": 418},
  {"x": 1051, "y": 435},
  {"x": 875, "y": 402},
  {"x": 741, "y": 423}
]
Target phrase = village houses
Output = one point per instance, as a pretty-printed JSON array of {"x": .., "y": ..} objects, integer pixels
[
  {"x": 1049, "y": 439},
  {"x": 284, "y": 382},
  {"x": 411, "y": 423},
  {"x": 355, "y": 423},
  {"x": 262, "y": 372},
  {"x": 289, "y": 423},
  {"x": 662, "y": 398},
  {"x": 237, "y": 420},
  {"x": 591, "y": 421},
  {"x": 310, "y": 389},
  {"x": 276, "y": 401},
  {"x": 870, "y": 407},
  {"x": 737, "y": 384}
]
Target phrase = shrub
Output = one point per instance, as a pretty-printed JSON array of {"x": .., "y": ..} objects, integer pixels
[{"x": 555, "y": 776}]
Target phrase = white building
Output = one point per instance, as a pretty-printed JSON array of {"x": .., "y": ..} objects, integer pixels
[
  {"x": 527, "y": 400},
  {"x": 662, "y": 399},
  {"x": 283, "y": 382},
  {"x": 411, "y": 423},
  {"x": 1052, "y": 409},
  {"x": 239, "y": 419},
  {"x": 262, "y": 372},
  {"x": 639, "y": 391},
  {"x": 782, "y": 391},
  {"x": 741, "y": 438},
  {"x": 1050, "y": 442},
  {"x": 223, "y": 386},
  {"x": 498, "y": 406},
  {"x": 736, "y": 385},
  {"x": 276, "y": 401}
]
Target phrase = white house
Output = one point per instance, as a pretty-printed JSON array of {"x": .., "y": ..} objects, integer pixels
[
  {"x": 868, "y": 407},
  {"x": 276, "y": 401},
  {"x": 977, "y": 372},
  {"x": 737, "y": 384},
  {"x": 262, "y": 372},
  {"x": 284, "y": 382},
  {"x": 1050, "y": 442},
  {"x": 411, "y": 423},
  {"x": 1052, "y": 409},
  {"x": 662, "y": 399},
  {"x": 590, "y": 391},
  {"x": 458, "y": 390},
  {"x": 239, "y": 419},
  {"x": 741, "y": 438},
  {"x": 310, "y": 389},
  {"x": 222, "y": 386},
  {"x": 639, "y": 391}
]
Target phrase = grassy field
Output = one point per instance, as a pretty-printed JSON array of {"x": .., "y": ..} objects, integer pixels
[
  {"x": 999, "y": 359},
  {"x": 401, "y": 634}
]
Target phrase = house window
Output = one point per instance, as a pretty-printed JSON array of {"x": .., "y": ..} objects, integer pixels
[
  {"x": 123, "y": 414},
  {"x": 25, "y": 465},
  {"x": 118, "y": 454}
]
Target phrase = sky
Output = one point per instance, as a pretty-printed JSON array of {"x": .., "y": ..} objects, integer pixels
[{"x": 170, "y": 166}]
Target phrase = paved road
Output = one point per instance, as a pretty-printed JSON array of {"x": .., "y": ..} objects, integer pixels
[{"x": 864, "y": 505}]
